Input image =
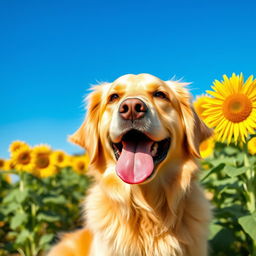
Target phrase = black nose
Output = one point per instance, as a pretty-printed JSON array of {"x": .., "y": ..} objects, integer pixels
[{"x": 132, "y": 109}]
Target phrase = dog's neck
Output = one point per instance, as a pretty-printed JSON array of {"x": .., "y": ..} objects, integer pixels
[{"x": 159, "y": 198}]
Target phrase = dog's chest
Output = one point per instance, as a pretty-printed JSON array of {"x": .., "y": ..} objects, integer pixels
[
  {"x": 136, "y": 244},
  {"x": 122, "y": 231}
]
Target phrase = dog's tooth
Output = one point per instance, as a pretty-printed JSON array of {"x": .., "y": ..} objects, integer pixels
[{"x": 154, "y": 149}]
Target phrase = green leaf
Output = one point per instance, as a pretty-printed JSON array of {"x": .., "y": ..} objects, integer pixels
[
  {"x": 213, "y": 170},
  {"x": 45, "y": 239},
  {"x": 222, "y": 240},
  {"x": 214, "y": 230},
  {"x": 11, "y": 196},
  {"x": 226, "y": 160},
  {"x": 248, "y": 223},
  {"x": 230, "y": 150},
  {"x": 240, "y": 158},
  {"x": 234, "y": 171},
  {"x": 234, "y": 211},
  {"x": 22, "y": 196},
  {"x": 22, "y": 237},
  {"x": 48, "y": 217},
  {"x": 16, "y": 195},
  {"x": 10, "y": 208},
  {"x": 224, "y": 182},
  {"x": 55, "y": 200},
  {"x": 18, "y": 219}
]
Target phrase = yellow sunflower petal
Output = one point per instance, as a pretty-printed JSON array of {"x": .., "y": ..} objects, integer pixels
[
  {"x": 222, "y": 125},
  {"x": 214, "y": 101},
  {"x": 247, "y": 85},
  {"x": 227, "y": 130},
  {"x": 216, "y": 95},
  {"x": 199, "y": 105},
  {"x": 220, "y": 88},
  {"x": 231, "y": 132},
  {"x": 206, "y": 147},
  {"x": 252, "y": 146},
  {"x": 236, "y": 132}
]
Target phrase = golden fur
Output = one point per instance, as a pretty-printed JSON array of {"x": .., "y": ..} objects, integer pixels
[{"x": 166, "y": 215}]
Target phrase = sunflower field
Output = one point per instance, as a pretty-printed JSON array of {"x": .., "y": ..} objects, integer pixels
[
  {"x": 41, "y": 189},
  {"x": 40, "y": 194},
  {"x": 229, "y": 164}
]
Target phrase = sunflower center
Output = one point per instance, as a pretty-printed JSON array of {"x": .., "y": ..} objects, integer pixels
[
  {"x": 81, "y": 166},
  {"x": 237, "y": 107},
  {"x": 60, "y": 158},
  {"x": 42, "y": 161},
  {"x": 24, "y": 158},
  {"x": 1, "y": 163}
]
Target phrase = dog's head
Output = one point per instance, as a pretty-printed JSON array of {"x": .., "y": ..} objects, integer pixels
[{"x": 140, "y": 124}]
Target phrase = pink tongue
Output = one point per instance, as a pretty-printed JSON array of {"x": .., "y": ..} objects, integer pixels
[{"x": 135, "y": 163}]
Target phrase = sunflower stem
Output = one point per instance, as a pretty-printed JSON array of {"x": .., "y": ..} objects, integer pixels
[
  {"x": 253, "y": 248},
  {"x": 250, "y": 185},
  {"x": 21, "y": 182},
  {"x": 250, "y": 191},
  {"x": 21, "y": 252}
]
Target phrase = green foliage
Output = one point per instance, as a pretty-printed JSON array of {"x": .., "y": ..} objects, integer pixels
[
  {"x": 33, "y": 211},
  {"x": 248, "y": 223},
  {"x": 231, "y": 181}
]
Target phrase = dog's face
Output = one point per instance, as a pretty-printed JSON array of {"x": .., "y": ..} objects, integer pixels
[{"x": 140, "y": 124}]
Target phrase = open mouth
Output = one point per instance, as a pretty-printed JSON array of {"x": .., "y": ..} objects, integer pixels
[{"x": 137, "y": 156}]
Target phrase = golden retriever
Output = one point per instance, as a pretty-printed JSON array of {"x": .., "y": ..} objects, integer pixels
[{"x": 142, "y": 136}]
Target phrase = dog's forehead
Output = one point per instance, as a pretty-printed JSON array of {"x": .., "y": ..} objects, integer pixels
[{"x": 130, "y": 83}]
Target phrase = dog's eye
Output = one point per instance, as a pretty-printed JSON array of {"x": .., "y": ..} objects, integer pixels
[
  {"x": 113, "y": 97},
  {"x": 160, "y": 94}
]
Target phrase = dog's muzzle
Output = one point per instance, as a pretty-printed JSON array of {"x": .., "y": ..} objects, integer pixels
[
  {"x": 136, "y": 150},
  {"x": 132, "y": 109}
]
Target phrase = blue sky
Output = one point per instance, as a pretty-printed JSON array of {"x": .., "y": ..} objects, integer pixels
[{"x": 52, "y": 51}]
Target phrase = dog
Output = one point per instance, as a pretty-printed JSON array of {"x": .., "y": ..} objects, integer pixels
[{"x": 142, "y": 136}]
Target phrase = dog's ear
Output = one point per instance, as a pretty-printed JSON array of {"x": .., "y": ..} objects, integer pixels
[
  {"x": 196, "y": 130},
  {"x": 87, "y": 136}
]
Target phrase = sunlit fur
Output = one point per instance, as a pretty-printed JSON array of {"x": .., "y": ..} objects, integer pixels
[{"x": 166, "y": 215}]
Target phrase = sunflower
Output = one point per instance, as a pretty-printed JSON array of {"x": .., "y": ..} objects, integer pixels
[
  {"x": 14, "y": 146},
  {"x": 69, "y": 160},
  {"x": 206, "y": 147},
  {"x": 199, "y": 105},
  {"x": 60, "y": 158},
  {"x": 22, "y": 159},
  {"x": 80, "y": 164},
  {"x": 44, "y": 166},
  {"x": 2, "y": 163},
  {"x": 252, "y": 146},
  {"x": 232, "y": 110},
  {"x": 42, "y": 149},
  {"x": 8, "y": 165}
]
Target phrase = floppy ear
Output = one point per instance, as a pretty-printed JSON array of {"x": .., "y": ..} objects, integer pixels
[
  {"x": 196, "y": 130},
  {"x": 87, "y": 136}
]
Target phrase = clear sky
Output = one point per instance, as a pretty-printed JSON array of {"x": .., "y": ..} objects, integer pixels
[{"x": 52, "y": 51}]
